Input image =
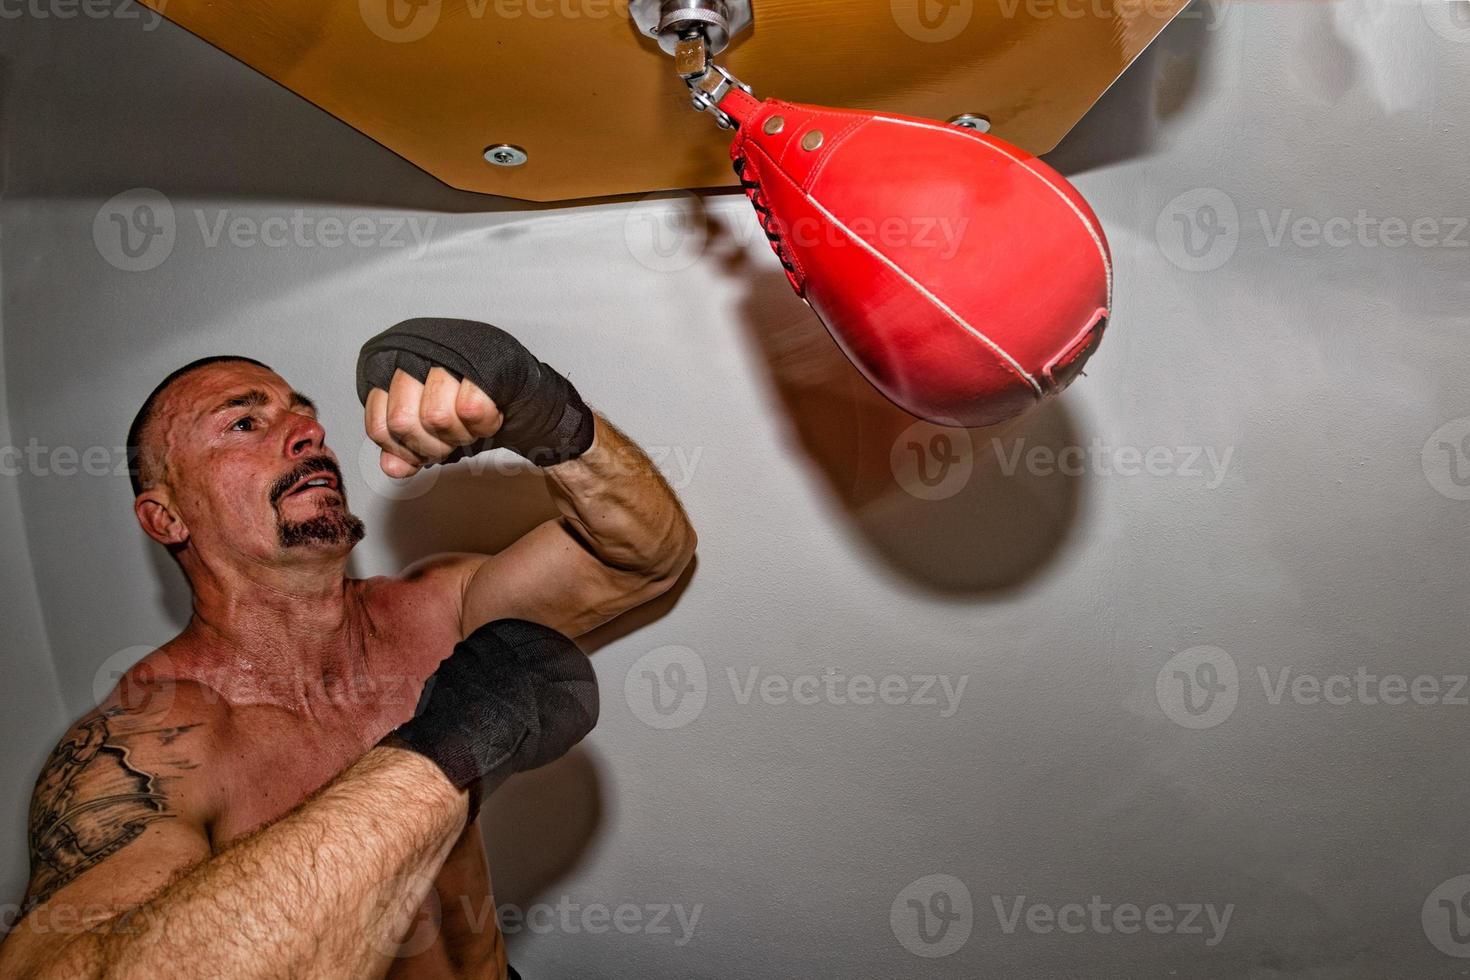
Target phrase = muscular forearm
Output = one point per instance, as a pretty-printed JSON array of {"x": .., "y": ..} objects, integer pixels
[
  {"x": 325, "y": 892},
  {"x": 622, "y": 508}
]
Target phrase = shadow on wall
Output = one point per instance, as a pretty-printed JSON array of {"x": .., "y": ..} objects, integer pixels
[
  {"x": 944, "y": 515},
  {"x": 1161, "y": 84},
  {"x": 563, "y": 803}
]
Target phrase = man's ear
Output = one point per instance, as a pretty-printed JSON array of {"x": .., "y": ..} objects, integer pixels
[{"x": 154, "y": 508}]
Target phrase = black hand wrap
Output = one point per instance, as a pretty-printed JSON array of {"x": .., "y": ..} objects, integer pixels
[
  {"x": 513, "y": 697},
  {"x": 546, "y": 421}
]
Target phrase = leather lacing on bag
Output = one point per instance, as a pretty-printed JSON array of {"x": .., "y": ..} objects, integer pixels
[{"x": 754, "y": 191}]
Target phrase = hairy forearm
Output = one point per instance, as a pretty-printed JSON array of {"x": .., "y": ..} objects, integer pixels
[
  {"x": 325, "y": 892},
  {"x": 622, "y": 508}
]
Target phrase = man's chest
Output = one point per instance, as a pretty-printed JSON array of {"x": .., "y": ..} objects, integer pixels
[{"x": 282, "y": 755}]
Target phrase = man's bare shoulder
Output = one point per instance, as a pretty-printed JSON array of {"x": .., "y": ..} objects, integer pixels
[
  {"x": 433, "y": 584},
  {"x": 170, "y": 686},
  {"x": 143, "y": 757},
  {"x": 435, "y": 570},
  {"x": 161, "y": 714}
]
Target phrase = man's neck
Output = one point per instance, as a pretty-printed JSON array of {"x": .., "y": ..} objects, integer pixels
[{"x": 297, "y": 617}]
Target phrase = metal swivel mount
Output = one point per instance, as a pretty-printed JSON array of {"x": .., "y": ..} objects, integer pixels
[
  {"x": 694, "y": 31},
  {"x": 719, "y": 21}
]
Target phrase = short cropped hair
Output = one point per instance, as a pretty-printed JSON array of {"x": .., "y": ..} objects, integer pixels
[{"x": 136, "y": 464}]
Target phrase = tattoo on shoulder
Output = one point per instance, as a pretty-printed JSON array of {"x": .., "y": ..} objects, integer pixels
[{"x": 91, "y": 801}]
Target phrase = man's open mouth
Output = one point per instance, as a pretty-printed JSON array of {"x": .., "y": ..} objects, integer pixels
[
  {"x": 319, "y": 481},
  {"x": 313, "y": 483},
  {"x": 319, "y": 476}
]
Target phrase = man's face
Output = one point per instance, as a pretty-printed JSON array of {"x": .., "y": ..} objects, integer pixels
[{"x": 248, "y": 469}]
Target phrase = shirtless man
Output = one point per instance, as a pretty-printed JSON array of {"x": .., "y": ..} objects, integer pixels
[{"x": 241, "y": 805}]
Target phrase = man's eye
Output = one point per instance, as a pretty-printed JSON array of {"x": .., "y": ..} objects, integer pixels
[{"x": 247, "y": 424}]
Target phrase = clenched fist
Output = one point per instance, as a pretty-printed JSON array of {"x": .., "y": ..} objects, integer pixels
[{"x": 438, "y": 390}]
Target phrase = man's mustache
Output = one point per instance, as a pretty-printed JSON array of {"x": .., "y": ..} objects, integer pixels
[{"x": 310, "y": 467}]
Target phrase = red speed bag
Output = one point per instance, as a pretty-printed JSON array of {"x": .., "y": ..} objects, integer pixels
[{"x": 965, "y": 278}]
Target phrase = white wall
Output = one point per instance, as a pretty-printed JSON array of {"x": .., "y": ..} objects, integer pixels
[
  {"x": 1321, "y": 374},
  {"x": 31, "y": 714}
]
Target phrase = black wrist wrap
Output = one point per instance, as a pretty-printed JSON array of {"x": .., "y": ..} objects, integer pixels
[
  {"x": 546, "y": 420},
  {"x": 512, "y": 697}
]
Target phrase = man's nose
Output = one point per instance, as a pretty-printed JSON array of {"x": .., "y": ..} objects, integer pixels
[{"x": 306, "y": 436}]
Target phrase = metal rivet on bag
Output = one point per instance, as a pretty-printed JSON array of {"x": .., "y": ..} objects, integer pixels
[
  {"x": 505, "y": 155},
  {"x": 971, "y": 120},
  {"x": 775, "y": 124},
  {"x": 813, "y": 140}
]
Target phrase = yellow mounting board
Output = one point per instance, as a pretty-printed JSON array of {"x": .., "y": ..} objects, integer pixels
[{"x": 597, "y": 107}]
